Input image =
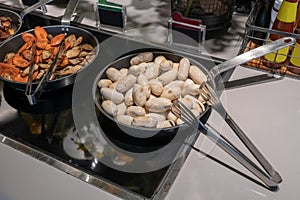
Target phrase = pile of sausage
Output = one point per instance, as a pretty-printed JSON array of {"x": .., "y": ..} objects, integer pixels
[{"x": 142, "y": 94}]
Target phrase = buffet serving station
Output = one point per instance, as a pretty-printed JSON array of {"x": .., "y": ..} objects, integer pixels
[{"x": 47, "y": 132}]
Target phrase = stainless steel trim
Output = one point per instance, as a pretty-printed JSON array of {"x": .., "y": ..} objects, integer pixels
[
  {"x": 104, "y": 184},
  {"x": 85, "y": 177}
]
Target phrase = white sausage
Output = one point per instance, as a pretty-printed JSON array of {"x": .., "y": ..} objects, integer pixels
[
  {"x": 142, "y": 79},
  {"x": 166, "y": 65},
  {"x": 156, "y": 87},
  {"x": 165, "y": 124},
  {"x": 144, "y": 121},
  {"x": 121, "y": 108},
  {"x": 112, "y": 95},
  {"x": 183, "y": 70},
  {"x": 192, "y": 89},
  {"x": 143, "y": 57},
  {"x": 110, "y": 107},
  {"x": 197, "y": 75},
  {"x": 171, "y": 93},
  {"x": 196, "y": 112},
  {"x": 171, "y": 116},
  {"x": 113, "y": 85},
  {"x": 128, "y": 99},
  {"x": 126, "y": 83},
  {"x": 139, "y": 95},
  {"x": 104, "y": 83},
  {"x": 113, "y": 74},
  {"x": 179, "y": 121},
  {"x": 188, "y": 102},
  {"x": 125, "y": 119},
  {"x": 158, "y": 104},
  {"x": 152, "y": 71},
  {"x": 135, "y": 111},
  {"x": 176, "y": 83},
  {"x": 157, "y": 116},
  {"x": 167, "y": 77},
  {"x": 159, "y": 59},
  {"x": 137, "y": 69},
  {"x": 175, "y": 66},
  {"x": 124, "y": 72}
]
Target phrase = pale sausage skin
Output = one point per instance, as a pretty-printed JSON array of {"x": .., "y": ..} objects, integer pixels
[{"x": 142, "y": 94}]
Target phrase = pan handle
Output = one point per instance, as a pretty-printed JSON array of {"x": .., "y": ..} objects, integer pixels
[
  {"x": 70, "y": 9},
  {"x": 235, "y": 153},
  {"x": 250, "y": 55},
  {"x": 33, "y": 7}
]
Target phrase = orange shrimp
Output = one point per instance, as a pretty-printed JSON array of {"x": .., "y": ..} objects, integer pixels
[
  {"x": 55, "y": 50},
  {"x": 19, "y": 61},
  {"x": 27, "y": 45},
  {"x": 38, "y": 52},
  {"x": 67, "y": 45},
  {"x": 24, "y": 79},
  {"x": 41, "y": 44},
  {"x": 48, "y": 46},
  {"x": 9, "y": 61},
  {"x": 9, "y": 68},
  {"x": 40, "y": 33},
  {"x": 64, "y": 62},
  {"x": 37, "y": 59},
  {"x": 24, "y": 47},
  {"x": 26, "y": 54},
  {"x": 27, "y": 37},
  {"x": 19, "y": 78},
  {"x": 56, "y": 40}
]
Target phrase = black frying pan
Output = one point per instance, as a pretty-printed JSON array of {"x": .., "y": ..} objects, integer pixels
[
  {"x": 16, "y": 42},
  {"x": 17, "y": 19},
  {"x": 123, "y": 134}
]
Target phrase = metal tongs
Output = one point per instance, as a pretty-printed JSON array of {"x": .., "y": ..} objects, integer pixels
[
  {"x": 34, "y": 96},
  {"x": 269, "y": 176},
  {"x": 180, "y": 110}
]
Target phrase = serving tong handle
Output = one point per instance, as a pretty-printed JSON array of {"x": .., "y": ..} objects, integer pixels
[
  {"x": 218, "y": 106},
  {"x": 28, "y": 91},
  {"x": 250, "y": 55},
  {"x": 33, "y": 97},
  {"x": 180, "y": 110},
  {"x": 70, "y": 9},
  {"x": 275, "y": 176},
  {"x": 33, "y": 7}
]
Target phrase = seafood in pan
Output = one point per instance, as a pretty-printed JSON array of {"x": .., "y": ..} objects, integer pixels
[
  {"x": 15, "y": 66},
  {"x": 6, "y": 28}
]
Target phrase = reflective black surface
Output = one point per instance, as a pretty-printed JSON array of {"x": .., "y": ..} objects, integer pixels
[{"x": 49, "y": 127}]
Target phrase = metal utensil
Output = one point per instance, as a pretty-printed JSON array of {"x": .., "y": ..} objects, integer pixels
[
  {"x": 180, "y": 110},
  {"x": 34, "y": 96},
  {"x": 250, "y": 55},
  {"x": 28, "y": 91},
  {"x": 209, "y": 94}
]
